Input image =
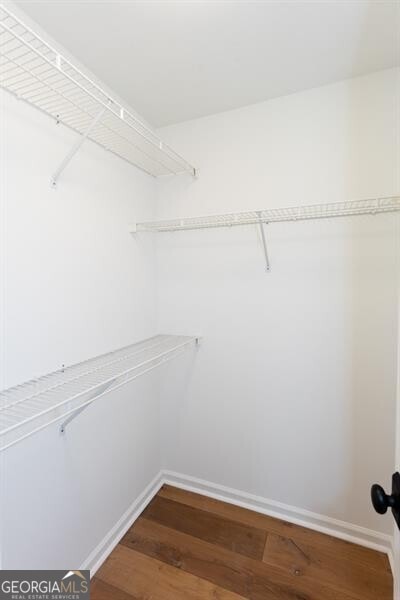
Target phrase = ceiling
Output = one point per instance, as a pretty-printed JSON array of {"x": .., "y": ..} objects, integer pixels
[{"x": 178, "y": 60}]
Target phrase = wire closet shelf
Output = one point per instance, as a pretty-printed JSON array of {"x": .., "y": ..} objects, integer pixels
[
  {"x": 60, "y": 396},
  {"x": 36, "y": 72},
  {"x": 275, "y": 215}
]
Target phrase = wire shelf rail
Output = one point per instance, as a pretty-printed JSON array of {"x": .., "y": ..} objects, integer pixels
[
  {"x": 275, "y": 215},
  {"x": 60, "y": 396},
  {"x": 36, "y": 72}
]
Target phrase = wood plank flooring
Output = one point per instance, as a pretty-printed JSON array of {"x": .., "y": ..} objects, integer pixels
[{"x": 189, "y": 547}]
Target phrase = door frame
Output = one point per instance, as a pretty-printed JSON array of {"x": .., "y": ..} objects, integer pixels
[{"x": 396, "y": 532}]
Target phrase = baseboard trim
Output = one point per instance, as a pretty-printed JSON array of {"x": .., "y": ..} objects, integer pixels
[
  {"x": 396, "y": 580},
  {"x": 334, "y": 527},
  {"x": 108, "y": 543},
  {"x": 391, "y": 562}
]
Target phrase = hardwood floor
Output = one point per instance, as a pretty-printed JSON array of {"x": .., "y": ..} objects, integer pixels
[{"x": 189, "y": 547}]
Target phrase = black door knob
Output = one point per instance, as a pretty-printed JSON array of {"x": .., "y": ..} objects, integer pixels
[{"x": 382, "y": 501}]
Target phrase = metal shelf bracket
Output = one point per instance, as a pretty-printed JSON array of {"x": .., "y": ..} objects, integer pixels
[
  {"x": 71, "y": 418},
  {"x": 264, "y": 242},
  {"x": 110, "y": 386},
  {"x": 99, "y": 392},
  {"x": 77, "y": 146}
]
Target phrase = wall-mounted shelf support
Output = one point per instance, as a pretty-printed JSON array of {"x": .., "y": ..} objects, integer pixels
[
  {"x": 118, "y": 382},
  {"x": 264, "y": 242},
  {"x": 77, "y": 146},
  {"x": 99, "y": 392}
]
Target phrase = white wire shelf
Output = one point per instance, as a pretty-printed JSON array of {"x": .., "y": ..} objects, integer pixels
[
  {"x": 31, "y": 406},
  {"x": 275, "y": 215},
  {"x": 36, "y": 72}
]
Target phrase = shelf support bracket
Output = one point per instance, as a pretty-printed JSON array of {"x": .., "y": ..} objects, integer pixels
[
  {"x": 76, "y": 146},
  {"x": 101, "y": 390},
  {"x": 264, "y": 242},
  {"x": 71, "y": 418}
]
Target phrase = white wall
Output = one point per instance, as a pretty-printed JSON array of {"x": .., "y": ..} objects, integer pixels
[
  {"x": 295, "y": 382},
  {"x": 75, "y": 284},
  {"x": 292, "y": 396}
]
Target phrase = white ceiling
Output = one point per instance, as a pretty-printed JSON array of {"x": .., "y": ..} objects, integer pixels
[{"x": 177, "y": 60}]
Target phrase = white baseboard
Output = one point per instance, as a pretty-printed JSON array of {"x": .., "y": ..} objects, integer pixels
[
  {"x": 298, "y": 516},
  {"x": 108, "y": 543},
  {"x": 391, "y": 561},
  {"x": 395, "y": 569}
]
